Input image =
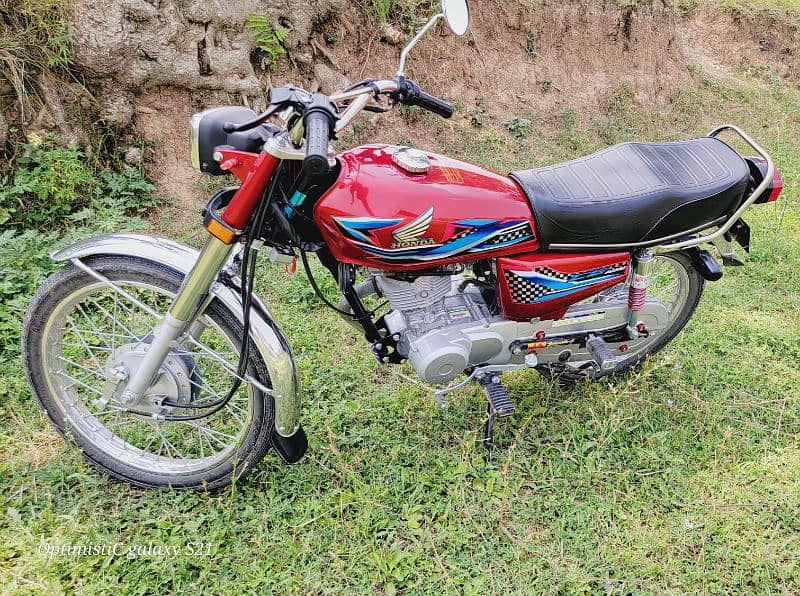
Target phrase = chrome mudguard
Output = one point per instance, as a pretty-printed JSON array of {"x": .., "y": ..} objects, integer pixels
[{"x": 265, "y": 332}]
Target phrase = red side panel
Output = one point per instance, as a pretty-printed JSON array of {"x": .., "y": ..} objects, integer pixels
[
  {"x": 544, "y": 286},
  {"x": 379, "y": 215}
]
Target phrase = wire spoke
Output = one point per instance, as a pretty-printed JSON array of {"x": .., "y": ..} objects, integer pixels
[
  {"x": 166, "y": 443},
  {"x": 85, "y": 345},
  {"x": 108, "y": 314},
  {"x": 89, "y": 370},
  {"x": 77, "y": 382}
]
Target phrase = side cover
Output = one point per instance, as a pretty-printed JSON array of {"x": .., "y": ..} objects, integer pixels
[
  {"x": 544, "y": 286},
  {"x": 379, "y": 215}
]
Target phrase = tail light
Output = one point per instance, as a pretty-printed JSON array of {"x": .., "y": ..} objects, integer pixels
[{"x": 758, "y": 169}]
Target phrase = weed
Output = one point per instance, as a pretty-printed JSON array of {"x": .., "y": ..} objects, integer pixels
[
  {"x": 409, "y": 12},
  {"x": 270, "y": 41},
  {"x": 34, "y": 37},
  {"x": 530, "y": 45},
  {"x": 518, "y": 126},
  {"x": 410, "y": 113},
  {"x": 50, "y": 183},
  {"x": 477, "y": 116}
]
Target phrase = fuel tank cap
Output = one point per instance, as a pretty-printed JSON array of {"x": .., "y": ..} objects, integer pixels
[{"x": 411, "y": 160}]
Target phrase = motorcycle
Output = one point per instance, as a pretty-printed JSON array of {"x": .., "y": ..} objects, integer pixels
[{"x": 166, "y": 370}]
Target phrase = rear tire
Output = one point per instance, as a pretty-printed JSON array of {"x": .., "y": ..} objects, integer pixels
[{"x": 50, "y": 313}]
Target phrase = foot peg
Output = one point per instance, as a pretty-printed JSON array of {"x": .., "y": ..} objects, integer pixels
[
  {"x": 601, "y": 353},
  {"x": 500, "y": 403}
]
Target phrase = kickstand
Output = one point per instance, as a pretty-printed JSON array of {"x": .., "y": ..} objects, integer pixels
[{"x": 488, "y": 428}]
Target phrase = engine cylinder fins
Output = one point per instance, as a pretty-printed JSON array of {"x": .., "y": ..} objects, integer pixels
[{"x": 414, "y": 295}]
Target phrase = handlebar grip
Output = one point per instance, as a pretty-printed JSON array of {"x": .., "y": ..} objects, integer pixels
[
  {"x": 433, "y": 104},
  {"x": 318, "y": 133}
]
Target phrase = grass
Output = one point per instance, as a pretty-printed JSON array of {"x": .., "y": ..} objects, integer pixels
[
  {"x": 684, "y": 477},
  {"x": 34, "y": 37}
]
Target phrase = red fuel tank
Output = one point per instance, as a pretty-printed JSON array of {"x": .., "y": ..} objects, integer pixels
[{"x": 378, "y": 214}]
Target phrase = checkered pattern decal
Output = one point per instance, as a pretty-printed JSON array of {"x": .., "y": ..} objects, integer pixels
[
  {"x": 543, "y": 283},
  {"x": 521, "y": 233}
]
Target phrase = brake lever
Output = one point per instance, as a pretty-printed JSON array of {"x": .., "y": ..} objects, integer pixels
[{"x": 230, "y": 127}]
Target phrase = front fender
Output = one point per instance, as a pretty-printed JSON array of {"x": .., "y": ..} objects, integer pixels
[{"x": 265, "y": 332}]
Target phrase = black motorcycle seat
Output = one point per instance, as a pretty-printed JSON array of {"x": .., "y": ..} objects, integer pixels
[{"x": 635, "y": 193}]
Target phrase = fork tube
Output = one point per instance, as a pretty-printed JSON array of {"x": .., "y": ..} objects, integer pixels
[
  {"x": 255, "y": 175},
  {"x": 195, "y": 287}
]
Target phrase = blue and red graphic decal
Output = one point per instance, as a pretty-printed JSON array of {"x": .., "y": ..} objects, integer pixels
[
  {"x": 543, "y": 283},
  {"x": 401, "y": 240}
]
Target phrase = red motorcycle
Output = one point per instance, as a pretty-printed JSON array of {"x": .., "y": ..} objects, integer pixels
[{"x": 166, "y": 370}]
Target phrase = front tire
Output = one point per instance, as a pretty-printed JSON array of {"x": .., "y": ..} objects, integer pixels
[{"x": 77, "y": 332}]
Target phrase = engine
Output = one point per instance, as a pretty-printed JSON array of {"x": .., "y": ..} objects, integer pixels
[{"x": 429, "y": 316}]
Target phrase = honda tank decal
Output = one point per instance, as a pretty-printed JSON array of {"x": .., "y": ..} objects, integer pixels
[
  {"x": 410, "y": 242},
  {"x": 543, "y": 283}
]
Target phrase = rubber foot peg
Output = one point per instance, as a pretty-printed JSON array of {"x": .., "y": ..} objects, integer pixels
[
  {"x": 290, "y": 449},
  {"x": 601, "y": 353},
  {"x": 499, "y": 401}
]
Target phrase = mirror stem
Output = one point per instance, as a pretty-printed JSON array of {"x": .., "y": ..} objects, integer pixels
[{"x": 413, "y": 42}]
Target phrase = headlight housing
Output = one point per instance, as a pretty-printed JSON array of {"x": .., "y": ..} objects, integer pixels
[{"x": 207, "y": 135}]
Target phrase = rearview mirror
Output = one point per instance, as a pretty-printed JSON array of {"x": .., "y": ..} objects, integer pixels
[{"x": 456, "y": 15}]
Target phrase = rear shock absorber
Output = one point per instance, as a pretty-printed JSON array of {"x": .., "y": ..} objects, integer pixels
[{"x": 643, "y": 262}]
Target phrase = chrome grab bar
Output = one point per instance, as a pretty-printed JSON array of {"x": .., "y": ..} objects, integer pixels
[{"x": 757, "y": 192}]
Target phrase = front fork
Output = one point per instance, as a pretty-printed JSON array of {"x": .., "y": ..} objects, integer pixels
[
  {"x": 255, "y": 173},
  {"x": 183, "y": 312}
]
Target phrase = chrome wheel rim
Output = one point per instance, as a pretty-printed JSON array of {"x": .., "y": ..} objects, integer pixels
[{"x": 86, "y": 333}]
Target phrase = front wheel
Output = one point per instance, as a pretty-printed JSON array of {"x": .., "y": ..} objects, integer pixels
[
  {"x": 676, "y": 285},
  {"x": 81, "y": 339}
]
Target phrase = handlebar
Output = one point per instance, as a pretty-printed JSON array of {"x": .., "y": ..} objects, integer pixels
[
  {"x": 410, "y": 94},
  {"x": 319, "y": 121},
  {"x": 433, "y": 104}
]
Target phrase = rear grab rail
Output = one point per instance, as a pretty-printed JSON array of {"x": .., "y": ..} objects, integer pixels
[{"x": 757, "y": 192}]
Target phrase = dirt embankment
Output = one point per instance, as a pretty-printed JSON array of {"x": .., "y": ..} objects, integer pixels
[{"x": 148, "y": 66}]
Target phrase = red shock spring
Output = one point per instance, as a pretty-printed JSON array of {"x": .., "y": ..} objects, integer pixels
[{"x": 636, "y": 298}]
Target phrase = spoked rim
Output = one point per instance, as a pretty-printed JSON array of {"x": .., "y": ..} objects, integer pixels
[{"x": 95, "y": 324}]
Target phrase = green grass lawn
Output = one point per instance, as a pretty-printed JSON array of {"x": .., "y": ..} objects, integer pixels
[{"x": 683, "y": 477}]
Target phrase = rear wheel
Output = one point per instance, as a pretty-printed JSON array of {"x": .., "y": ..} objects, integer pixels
[
  {"x": 677, "y": 285},
  {"x": 82, "y": 339}
]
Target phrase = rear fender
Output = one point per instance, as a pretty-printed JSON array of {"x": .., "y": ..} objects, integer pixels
[{"x": 265, "y": 332}]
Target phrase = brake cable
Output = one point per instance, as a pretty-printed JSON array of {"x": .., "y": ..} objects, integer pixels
[{"x": 249, "y": 257}]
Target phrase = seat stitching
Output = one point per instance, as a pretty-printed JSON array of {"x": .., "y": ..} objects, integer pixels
[
  {"x": 695, "y": 179},
  {"x": 702, "y": 165},
  {"x": 651, "y": 166},
  {"x": 665, "y": 164},
  {"x": 601, "y": 182}
]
